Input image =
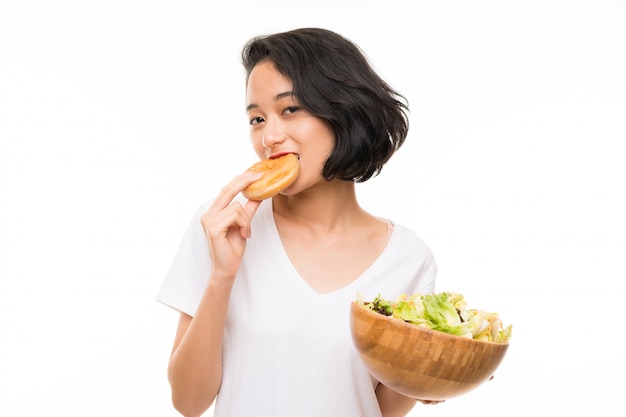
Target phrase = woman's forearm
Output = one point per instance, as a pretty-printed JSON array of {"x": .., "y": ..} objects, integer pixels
[
  {"x": 393, "y": 404},
  {"x": 195, "y": 367}
]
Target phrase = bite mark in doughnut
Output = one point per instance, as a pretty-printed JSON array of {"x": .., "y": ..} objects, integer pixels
[{"x": 278, "y": 174}]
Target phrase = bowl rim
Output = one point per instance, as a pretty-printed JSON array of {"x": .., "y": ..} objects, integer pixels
[{"x": 400, "y": 322}]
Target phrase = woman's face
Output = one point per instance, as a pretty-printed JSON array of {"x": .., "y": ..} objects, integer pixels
[{"x": 278, "y": 125}]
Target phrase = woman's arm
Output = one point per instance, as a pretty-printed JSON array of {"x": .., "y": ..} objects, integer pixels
[
  {"x": 392, "y": 403},
  {"x": 195, "y": 366}
]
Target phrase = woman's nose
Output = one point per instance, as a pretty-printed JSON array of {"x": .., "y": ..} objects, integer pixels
[{"x": 273, "y": 133}]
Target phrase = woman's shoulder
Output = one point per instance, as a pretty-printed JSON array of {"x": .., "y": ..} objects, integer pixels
[{"x": 405, "y": 237}]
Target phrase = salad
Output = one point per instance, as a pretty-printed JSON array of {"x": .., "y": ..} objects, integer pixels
[{"x": 446, "y": 312}]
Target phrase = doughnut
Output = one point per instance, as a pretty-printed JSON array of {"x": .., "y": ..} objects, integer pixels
[{"x": 278, "y": 174}]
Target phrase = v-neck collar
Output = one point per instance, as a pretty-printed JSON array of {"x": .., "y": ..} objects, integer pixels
[{"x": 295, "y": 278}]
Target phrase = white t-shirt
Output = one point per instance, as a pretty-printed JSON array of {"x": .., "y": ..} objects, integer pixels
[{"x": 287, "y": 348}]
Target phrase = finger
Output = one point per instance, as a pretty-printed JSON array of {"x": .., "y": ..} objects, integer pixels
[
  {"x": 424, "y": 401},
  {"x": 234, "y": 187},
  {"x": 232, "y": 217},
  {"x": 250, "y": 208}
]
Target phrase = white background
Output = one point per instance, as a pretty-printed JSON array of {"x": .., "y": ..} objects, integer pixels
[{"x": 119, "y": 117}]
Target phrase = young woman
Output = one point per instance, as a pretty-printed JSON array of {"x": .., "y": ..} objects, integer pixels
[{"x": 264, "y": 288}]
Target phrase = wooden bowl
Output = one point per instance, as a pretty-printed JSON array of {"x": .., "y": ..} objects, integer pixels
[{"x": 419, "y": 362}]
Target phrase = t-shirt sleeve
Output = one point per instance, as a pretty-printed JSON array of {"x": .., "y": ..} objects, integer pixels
[
  {"x": 423, "y": 261},
  {"x": 406, "y": 267},
  {"x": 189, "y": 272},
  {"x": 425, "y": 284}
]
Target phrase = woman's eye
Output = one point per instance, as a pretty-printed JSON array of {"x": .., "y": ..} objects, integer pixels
[
  {"x": 290, "y": 110},
  {"x": 256, "y": 120}
]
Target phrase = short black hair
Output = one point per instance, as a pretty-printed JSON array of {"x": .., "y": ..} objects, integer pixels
[{"x": 333, "y": 80}]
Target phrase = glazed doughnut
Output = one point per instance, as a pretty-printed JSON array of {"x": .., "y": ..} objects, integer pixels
[{"x": 278, "y": 174}]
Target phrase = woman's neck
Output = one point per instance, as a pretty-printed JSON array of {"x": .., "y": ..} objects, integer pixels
[{"x": 327, "y": 207}]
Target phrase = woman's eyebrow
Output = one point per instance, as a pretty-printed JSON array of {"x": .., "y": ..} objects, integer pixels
[
  {"x": 283, "y": 95},
  {"x": 276, "y": 98}
]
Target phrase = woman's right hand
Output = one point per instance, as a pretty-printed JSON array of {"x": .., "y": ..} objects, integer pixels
[{"x": 226, "y": 226}]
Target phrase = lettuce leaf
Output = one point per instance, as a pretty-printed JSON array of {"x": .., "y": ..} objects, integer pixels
[{"x": 446, "y": 312}]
